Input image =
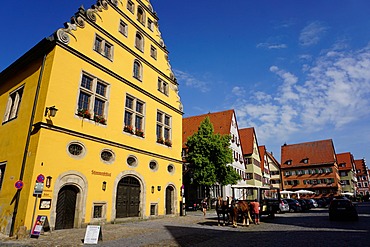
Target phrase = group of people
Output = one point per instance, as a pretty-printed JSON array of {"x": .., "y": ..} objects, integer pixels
[{"x": 255, "y": 209}]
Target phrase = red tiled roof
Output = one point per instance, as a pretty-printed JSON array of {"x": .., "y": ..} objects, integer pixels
[
  {"x": 246, "y": 138},
  {"x": 221, "y": 122},
  {"x": 317, "y": 152},
  {"x": 345, "y": 158},
  {"x": 360, "y": 165},
  {"x": 262, "y": 151}
]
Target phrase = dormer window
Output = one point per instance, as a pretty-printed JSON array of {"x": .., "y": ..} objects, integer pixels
[
  {"x": 305, "y": 161},
  {"x": 288, "y": 162}
]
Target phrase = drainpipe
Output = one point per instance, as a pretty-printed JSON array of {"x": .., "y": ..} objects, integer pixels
[{"x": 17, "y": 196}]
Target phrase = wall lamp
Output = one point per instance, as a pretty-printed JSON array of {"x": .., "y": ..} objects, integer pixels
[
  {"x": 51, "y": 110},
  {"x": 159, "y": 188},
  {"x": 152, "y": 189},
  {"x": 48, "y": 181},
  {"x": 104, "y": 186}
]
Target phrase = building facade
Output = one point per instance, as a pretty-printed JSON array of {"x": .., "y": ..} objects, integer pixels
[
  {"x": 362, "y": 177},
  {"x": 347, "y": 173},
  {"x": 274, "y": 168},
  {"x": 224, "y": 123},
  {"x": 310, "y": 166},
  {"x": 112, "y": 150},
  {"x": 251, "y": 156}
]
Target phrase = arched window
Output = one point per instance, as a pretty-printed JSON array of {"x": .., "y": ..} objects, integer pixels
[
  {"x": 141, "y": 15},
  {"x": 139, "y": 42},
  {"x": 137, "y": 70}
]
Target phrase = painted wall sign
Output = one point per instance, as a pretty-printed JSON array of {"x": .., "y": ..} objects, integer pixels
[{"x": 106, "y": 174}]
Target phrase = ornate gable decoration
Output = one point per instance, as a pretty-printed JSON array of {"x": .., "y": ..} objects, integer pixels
[{"x": 78, "y": 20}]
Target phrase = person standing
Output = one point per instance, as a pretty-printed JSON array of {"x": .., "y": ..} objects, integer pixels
[
  {"x": 255, "y": 208},
  {"x": 204, "y": 206}
]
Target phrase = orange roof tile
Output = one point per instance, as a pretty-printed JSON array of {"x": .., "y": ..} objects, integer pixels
[
  {"x": 317, "y": 152},
  {"x": 246, "y": 138},
  {"x": 221, "y": 122},
  {"x": 345, "y": 158},
  {"x": 360, "y": 165},
  {"x": 262, "y": 151}
]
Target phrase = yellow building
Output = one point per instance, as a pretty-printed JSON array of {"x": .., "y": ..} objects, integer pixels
[{"x": 113, "y": 149}]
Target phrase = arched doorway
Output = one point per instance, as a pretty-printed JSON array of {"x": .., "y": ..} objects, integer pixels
[
  {"x": 66, "y": 207},
  {"x": 169, "y": 200},
  {"x": 128, "y": 197}
]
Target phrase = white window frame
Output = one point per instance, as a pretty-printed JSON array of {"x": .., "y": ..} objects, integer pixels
[
  {"x": 93, "y": 95},
  {"x": 134, "y": 114},
  {"x": 123, "y": 28},
  {"x": 141, "y": 18},
  {"x": 103, "y": 45},
  {"x": 153, "y": 52},
  {"x": 163, "y": 86},
  {"x": 137, "y": 72},
  {"x": 2, "y": 172},
  {"x": 150, "y": 24},
  {"x": 139, "y": 43},
  {"x": 130, "y": 6},
  {"x": 161, "y": 126},
  {"x": 13, "y": 104}
]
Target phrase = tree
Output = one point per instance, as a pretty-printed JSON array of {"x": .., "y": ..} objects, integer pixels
[{"x": 209, "y": 154}]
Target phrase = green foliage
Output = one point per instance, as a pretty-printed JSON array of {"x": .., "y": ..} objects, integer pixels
[{"x": 209, "y": 153}]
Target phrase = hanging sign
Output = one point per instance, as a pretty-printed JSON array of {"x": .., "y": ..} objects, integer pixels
[{"x": 19, "y": 184}]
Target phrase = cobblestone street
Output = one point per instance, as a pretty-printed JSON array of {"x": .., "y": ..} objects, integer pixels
[{"x": 195, "y": 230}]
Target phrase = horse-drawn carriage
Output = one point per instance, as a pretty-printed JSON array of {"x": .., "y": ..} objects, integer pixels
[{"x": 234, "y": 208}]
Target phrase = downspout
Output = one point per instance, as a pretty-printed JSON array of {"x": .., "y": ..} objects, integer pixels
[{"x": 17, "y": 197}]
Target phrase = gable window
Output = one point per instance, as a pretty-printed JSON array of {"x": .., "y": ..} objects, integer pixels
[
  {"x": 153, "y": 52},
  {"x": 130, "y": 6},
  {"x": 92, "y": 100},
  {"x": 139, "y": 42},
  {"x": 103, "y": 47},
  {"x": 14, "y": 101},
  {"x": 163, "y": 129},
  {"x": 141, "y": 15},
  {"x": 162, "y": 86},
  {"x": 150, "y": 24},
  {"x": 134, "y": 116},
  {"x": 137, "y": 73},
  {"x": 2, "y": 171},
  {"x": 123, "y": 28}
]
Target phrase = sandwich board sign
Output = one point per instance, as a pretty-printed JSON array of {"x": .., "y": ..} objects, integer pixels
[
  {"x": 41, "y": 224},
  {"x": 93, "y": 234}
]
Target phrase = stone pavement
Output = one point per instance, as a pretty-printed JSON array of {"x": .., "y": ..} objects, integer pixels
[{"x": 149, "y": 232}]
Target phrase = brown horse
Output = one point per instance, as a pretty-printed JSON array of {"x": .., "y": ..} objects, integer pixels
[
  {"x": 222, "y": 208},
  {"x": 242, "y": 208}
]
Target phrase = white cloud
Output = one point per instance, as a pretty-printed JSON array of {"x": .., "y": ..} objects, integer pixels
[
  {"x": 190, "y": 81},
  {"x": 333, "y": 93},
  {"x": 238, "y": 91},
  {"x": 271, "y": 46},
  {"x": 312, "y": 33}
]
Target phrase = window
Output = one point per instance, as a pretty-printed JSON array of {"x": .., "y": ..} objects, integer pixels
[
  {"x": 76, "y": 150},
  {"x": 139, "y": 42},
  {"x": 130, "y": 6},
  {"x": 141, "y": 15},
  {"x": 103, "y": 47},
  {"x": 150, "y": 24},
  {"x": 170, "y": 168},
  {"x": 134, "y": 116},
  {"x": 98, "y": 210},
  {"x": 162, "y": 86},
  {"x": 153, "y": 165},
  {"x": 123, "y": 28},
  {"x": 107, "y": 156},
  {"x": 138, "y": 70},
  {"x": 153, "y": 52},
  {"x": 163, "y": 129},
  {"x": 93, "y": 99},
  {"x": 132, "y": 161},
  {"x": 2, "y": 172},
  {"x": 14, "y": 101},
  {"x": 153, "y": 209}
]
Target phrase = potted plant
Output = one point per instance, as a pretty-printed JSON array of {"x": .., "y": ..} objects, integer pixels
[
  {"x": 160, "y": 140},
  {"x": 139, "y": 132},
  {"x": 128, "y": 129},
  {"x": 84, "y": 113},
  {"x": 168, "y": 142},
  {"x": 100, "y": 119}
]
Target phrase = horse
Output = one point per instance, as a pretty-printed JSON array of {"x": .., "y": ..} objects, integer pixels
[
  {"x": 240, "y": 207},
  {"x": 222, "y": 208}
]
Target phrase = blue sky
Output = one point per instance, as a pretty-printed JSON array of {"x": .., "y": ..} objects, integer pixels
[{"x": 297, "y": 71}]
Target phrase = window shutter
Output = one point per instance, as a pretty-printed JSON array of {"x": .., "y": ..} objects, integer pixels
[{"x": 7, "y": 111}]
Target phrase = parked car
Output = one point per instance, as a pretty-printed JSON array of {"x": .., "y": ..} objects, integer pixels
[
  {"x": 283, "y": 206},
  {"x": 342, "y": 209},
  {"x": 304, "y": 205},
  {"x": 312, "y": 203},
  {"x": 294, "y": 205}
]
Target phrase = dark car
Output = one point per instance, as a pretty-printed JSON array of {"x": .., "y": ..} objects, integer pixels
[
  {"x": 342, "y": 209},
  {"x": 304, "y": 205},
  {"x": 294, "y": 205}
]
